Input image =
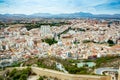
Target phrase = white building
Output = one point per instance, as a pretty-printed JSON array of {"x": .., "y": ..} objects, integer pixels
[{"x": 46, "y": 31}]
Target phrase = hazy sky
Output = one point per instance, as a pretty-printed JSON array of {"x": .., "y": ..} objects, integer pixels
[{"x": 59, "y": 6}]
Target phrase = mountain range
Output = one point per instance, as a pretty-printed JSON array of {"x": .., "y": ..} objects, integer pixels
[{"x": 70, "y": 15}]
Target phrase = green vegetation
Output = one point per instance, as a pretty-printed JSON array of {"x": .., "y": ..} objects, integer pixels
[
  {"x": 86, "y": 41},
  {"x": 59, "y": 23},
  {"x": 99, "y": 42},
  {"x": 1, "y": 78},
  {"x": 80, "y": 29},
  {"x": 100, "y": 62},
  {"x": 49, "y": 41},
  {"x": 47, "y": 78},
  {"x": 110, "y": 42},
  {"x": 42, "y": 62},
  {"x": 30, "y": 26},
  {"x": 41, "y": 78},
  {"x": 105, "y": 61},
  {"x": 2, "y": 24},
  {"x": 19, "y": 74},
  {"x": 71, "y": 65},
  {"x": 64, "y": 32},
  {"x": 50, "y": 63},
  {"x": 16, "y": 64},
  {"x": 73, "y": 69},
  {"x": 76, "y": 42}
]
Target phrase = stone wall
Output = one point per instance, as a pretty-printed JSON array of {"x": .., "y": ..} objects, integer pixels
[{"x": 64, "y": 76}]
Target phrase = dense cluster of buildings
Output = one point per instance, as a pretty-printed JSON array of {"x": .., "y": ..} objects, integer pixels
[{"x": 82, "y": 39}]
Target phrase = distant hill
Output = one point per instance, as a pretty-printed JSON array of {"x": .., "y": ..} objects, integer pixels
[
  {"x": 41, "y": 15},
  {"x": 71, "y": 15}
]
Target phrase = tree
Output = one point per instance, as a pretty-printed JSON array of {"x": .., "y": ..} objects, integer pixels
[
  {"x": 40, "y": 78},
  {"x": 13, "y": 72},
  {"x": 19, "y": 74},
  {"x": 86, "y": 41},
  {"x": 1, "y": 78},
  {"x": 23, "y": 77},
  {"x": 49, "y": 41},
  {"x": 110, "y": 42},
  {"x": 26, "y": 71}
]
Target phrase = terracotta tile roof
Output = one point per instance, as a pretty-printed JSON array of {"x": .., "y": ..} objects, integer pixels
[{"x": 117, "y": 47}]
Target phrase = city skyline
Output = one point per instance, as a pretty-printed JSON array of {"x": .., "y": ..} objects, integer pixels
[{"x": 58, "y": 7}]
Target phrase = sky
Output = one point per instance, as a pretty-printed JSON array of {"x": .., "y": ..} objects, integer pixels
[{"x": 59, "y": 6}]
